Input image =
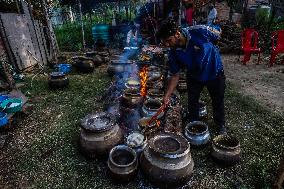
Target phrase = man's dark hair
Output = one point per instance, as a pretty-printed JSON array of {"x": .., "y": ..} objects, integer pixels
[{"x": 167, "y": 28}]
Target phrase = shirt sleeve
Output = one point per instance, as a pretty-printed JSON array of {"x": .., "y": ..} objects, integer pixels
[
  {"x": 128, "y": 36},
  {"x": 174, "y": 68},
  {"x": 214, "y": 33}
]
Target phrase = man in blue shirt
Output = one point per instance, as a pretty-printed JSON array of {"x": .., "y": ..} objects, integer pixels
[{"x": 193, "y": 48}]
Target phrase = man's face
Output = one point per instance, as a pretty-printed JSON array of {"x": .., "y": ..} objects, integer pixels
[{"x": 172, "y": 41}]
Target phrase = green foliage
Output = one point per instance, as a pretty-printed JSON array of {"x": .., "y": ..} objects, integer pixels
[
  {"x": 69, "y": 36},
  {"x": 263, "y": 17}
]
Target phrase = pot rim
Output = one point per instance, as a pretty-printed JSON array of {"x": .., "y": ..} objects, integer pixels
[
  {"x": 158, "y": 94},
  {"x": 220, "y": 137},
  {"x": 122, "y": 147},
  {"x": 183, "y": 148},
  {"x": 119, "y": 62},
  {"x": 193, "y": 123},
  {"x": 96, "y": 115},
  {"x": 151, "y": 100}
]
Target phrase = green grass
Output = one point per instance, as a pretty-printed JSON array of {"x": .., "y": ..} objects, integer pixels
[{"x": 45, "y": 150}]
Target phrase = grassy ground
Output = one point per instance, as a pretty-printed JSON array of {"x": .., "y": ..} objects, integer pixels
[{"x": 43, "y": 152}]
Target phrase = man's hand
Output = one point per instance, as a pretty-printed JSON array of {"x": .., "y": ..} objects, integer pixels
[{"x": 166, "y": 100}]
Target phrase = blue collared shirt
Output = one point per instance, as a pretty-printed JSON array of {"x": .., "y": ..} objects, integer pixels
[{"x": 201, "y": 57}]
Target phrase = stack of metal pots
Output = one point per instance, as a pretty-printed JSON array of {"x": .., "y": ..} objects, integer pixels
[
  {"x": 117, "y": 67},
  {"x": 99, "y": 133},
  {"x": 157, "y": 94},
  {"x": 150, "y": 107},
  {"x": 182, "y": 84},
  {"x": 155, "y": 78},
  {"x": 166, "y": 161}
]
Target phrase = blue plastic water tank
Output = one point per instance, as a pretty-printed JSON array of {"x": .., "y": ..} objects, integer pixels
[{"x": 101, "y": 31}]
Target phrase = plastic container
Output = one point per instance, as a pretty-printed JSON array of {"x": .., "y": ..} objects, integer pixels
[
  {"x": 3, "y": 119},
  {"x": 101, "y": 31},
  {"x": 3, "y": 97},
  {"x": 12, "y": 105},
  {"x": 65, "y": 68}
]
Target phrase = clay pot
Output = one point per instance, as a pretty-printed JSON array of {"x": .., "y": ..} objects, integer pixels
[
  {"x": 150, "y": 107},
  {"x": 182, "y": 86},
  {"x": 132, "y": 83},
  {"x": 122, "y": 163},
  {"x": 118, "y": 67},
  {"x": 131, "y": 98},
  {"x": 84, "y": 65},
  {"x": 58, "y": 80},
  {"x": 226, "y": 150},
  {"x": 99, "y": 133},
  {"x": 155, "y": 94},
  {"x": 166, "y": 160},
  {"x": 197, "y": 133}
]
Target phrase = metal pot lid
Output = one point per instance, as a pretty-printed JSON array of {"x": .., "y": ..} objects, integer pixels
[
  {"x": 98, "y": 122},
  {"x": 169, "y": 145},
  {"x": 226, "y": 142},
  {"x": 135, "y": 139}
]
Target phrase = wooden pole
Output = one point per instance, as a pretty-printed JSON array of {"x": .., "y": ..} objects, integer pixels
[
  {"x": 82, "y": 25},
  {"x": 51, "y": 35}
]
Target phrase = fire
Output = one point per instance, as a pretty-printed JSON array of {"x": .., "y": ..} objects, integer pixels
[
  {"x": 158, "y": 123},
  {"x": 143, "y": 80}
]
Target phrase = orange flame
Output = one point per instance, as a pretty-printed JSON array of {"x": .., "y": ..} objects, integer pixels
[
  {"x": 143, "y": 79},
  {"x": 158, "y": 123}
]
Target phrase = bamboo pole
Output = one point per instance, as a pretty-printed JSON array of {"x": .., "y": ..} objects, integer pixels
[{"x": 82, "y": 25}]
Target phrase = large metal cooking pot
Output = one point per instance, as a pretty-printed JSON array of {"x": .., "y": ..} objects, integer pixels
[
  {"x": 197, "y": 133},
  {"x": 155, "y": 94},
  {"x": 118, "y": 67},
  {"x": 132, "y": 83},
  {"x": 131, "y": 98},
  {"x": 99, "y": 133},
  {"x": 150, "y": 107},
  {"x": 166, "y": 160},
  {"x": 226, "y": 149},
  {"x": 122, "y": 163}
]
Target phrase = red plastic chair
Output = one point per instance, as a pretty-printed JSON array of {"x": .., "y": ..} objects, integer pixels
[
  {"x": 277, "y": 47},
  {"x": 249, "y": 44}
]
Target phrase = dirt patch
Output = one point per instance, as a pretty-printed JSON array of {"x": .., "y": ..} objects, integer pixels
[{"x": 260, "y": 81}]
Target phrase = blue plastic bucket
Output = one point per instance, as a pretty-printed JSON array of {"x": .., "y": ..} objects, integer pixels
[
  {"x": 3, "y": 119},
  {"x": 3, "y": 97},
  {"x": 65, "y": 68}
]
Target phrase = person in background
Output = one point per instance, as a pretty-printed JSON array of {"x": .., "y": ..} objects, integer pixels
[
  {"x": 132, "y": 36},
  {"x": 212, "y": 15},
  {"x": 193, "y": 48},
  {"x": 188, "y": 12},
  {"x": 174, "y": 14}
]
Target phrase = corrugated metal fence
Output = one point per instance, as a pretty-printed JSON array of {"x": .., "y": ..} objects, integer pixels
[{"x": 30, "y": 42}]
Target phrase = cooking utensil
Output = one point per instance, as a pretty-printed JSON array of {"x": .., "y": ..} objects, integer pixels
[{"x": 155, "y": 116}]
